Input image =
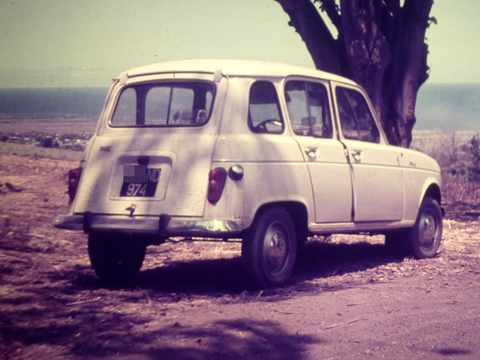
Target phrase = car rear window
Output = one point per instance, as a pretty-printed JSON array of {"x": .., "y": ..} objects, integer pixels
[{"x": 164, "y": 104}]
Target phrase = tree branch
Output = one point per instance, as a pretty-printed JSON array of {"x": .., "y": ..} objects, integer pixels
[
  {"x": 333, "y": 12},
  {"x": 321, "y": 44}
]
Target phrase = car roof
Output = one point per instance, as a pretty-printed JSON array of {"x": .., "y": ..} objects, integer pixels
[{"x": 233, "y": 68}]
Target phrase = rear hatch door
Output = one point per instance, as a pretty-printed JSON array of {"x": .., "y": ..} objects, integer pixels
[{"x": 154, "y": 155}]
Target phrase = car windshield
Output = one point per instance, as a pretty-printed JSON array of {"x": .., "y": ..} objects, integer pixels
[{"x": 166, "y": 104}]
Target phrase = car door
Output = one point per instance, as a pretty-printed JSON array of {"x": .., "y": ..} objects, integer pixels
[
  {"x": 376, "y": 172},
  {"x": 309, "y": 109},
  {"x": 154, "y": 154}
]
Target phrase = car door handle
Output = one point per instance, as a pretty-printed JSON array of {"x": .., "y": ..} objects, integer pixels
[
  {"x": 356, "y": 154},
  {"x": 311, "y": 152},
  {"x": 399, "y": 158}
]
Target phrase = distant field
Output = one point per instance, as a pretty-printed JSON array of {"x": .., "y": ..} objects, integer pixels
[
  {"x": 434, "y": 141},
  {"x": 49, "y": 126},
  {"x": 39, "y": 152}
]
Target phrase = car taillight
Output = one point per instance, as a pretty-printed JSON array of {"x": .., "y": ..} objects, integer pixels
[
  {"x": 216, "y": 183},
  {"x": 73, "y": 180}
]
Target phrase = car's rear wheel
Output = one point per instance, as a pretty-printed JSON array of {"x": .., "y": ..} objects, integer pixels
[
  {"x": 116, "y": 258},
  {"x": 269, "y": 249},
  {"x": 423, "y": 240}
]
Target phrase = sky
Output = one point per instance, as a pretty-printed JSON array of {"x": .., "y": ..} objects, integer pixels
[{"x": 88, "y": 42}]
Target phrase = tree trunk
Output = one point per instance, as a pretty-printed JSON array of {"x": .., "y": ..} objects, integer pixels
[{"x": 380, "y": 45}]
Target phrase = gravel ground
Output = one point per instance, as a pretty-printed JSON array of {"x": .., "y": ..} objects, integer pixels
[{"x": 348, "y": 298}]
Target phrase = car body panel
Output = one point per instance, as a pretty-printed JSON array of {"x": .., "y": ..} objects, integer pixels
[{"x": 380, "y": 190}]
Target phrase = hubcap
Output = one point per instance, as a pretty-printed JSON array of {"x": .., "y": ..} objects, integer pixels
[
  {"x": 275, "y": 248},
  {"x": 428, "y": 231}
]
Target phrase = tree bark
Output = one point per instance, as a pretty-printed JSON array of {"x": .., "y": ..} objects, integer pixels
[
  {"x": 322, "y": 46},
  {"x": 380, "y": 44}
]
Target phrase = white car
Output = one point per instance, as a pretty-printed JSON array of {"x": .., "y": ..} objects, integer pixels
[{"x": 266, "y": 152}]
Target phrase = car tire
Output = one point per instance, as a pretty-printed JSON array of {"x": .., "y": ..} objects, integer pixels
[
  {"x": 269, "y": 250},
  {"x": 116, "y": 258},
  {"x": 426, "y": 235},
  {"x": 424, "y": 238}
]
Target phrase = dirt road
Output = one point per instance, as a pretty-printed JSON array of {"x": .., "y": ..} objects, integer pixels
[{"x": 348, "y": 300}]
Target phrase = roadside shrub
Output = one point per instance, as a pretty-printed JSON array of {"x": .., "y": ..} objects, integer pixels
[
  {"x": 474, "y": 151},
  {"x": 458, "y": 154},
  {"x": 49, "y": 142}
]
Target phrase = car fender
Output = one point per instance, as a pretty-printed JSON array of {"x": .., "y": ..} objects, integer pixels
[{"x": 428, "y": 183}]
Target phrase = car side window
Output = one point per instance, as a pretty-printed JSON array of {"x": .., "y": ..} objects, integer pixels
[
  {"x": 264, "y": 114},
  {"x": 126, "y": 112},
  {"x": 308, "y": 108},
  {"x": 356, "y": 119}
]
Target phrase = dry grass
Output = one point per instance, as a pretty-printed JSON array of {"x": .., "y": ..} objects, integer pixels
[
  {"x": 39, "y": 152},
  {"x": 49, "y": 126},
  {"x": 453, "y": 153},
  {"x": 459, "y": 189}
]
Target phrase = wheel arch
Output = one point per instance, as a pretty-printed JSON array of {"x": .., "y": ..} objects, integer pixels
[
  {"x": 296, "y": 209},
  {"x": 431, "y": 189},
  {"x": 434, "y": 192}
]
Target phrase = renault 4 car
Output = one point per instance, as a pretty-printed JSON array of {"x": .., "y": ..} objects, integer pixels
[{"x": 268, "y": 153}]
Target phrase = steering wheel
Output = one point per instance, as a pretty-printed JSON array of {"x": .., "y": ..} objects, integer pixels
[{"x": 262, "y": 125}]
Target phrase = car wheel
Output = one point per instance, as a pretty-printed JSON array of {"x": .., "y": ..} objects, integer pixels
[
  {"x": 426, "y": 235},
  {"x": 421, "y": 241},
  {"x": 269, "y": 250},
  {"x": 116, "y": 258}
]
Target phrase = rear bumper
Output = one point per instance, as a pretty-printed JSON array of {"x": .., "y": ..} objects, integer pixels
[{"x": 163, "y": 225}]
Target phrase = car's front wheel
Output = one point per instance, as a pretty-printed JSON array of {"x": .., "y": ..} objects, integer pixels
[
  {"x": 426, "y": 235},
  {"x": 116, "y": 258},
  {"x": 423, "y": 240},
  {"x": 269, "y": 249}
]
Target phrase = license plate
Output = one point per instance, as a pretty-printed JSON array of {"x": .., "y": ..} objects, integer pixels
[{"x": 139, "y": 181}]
